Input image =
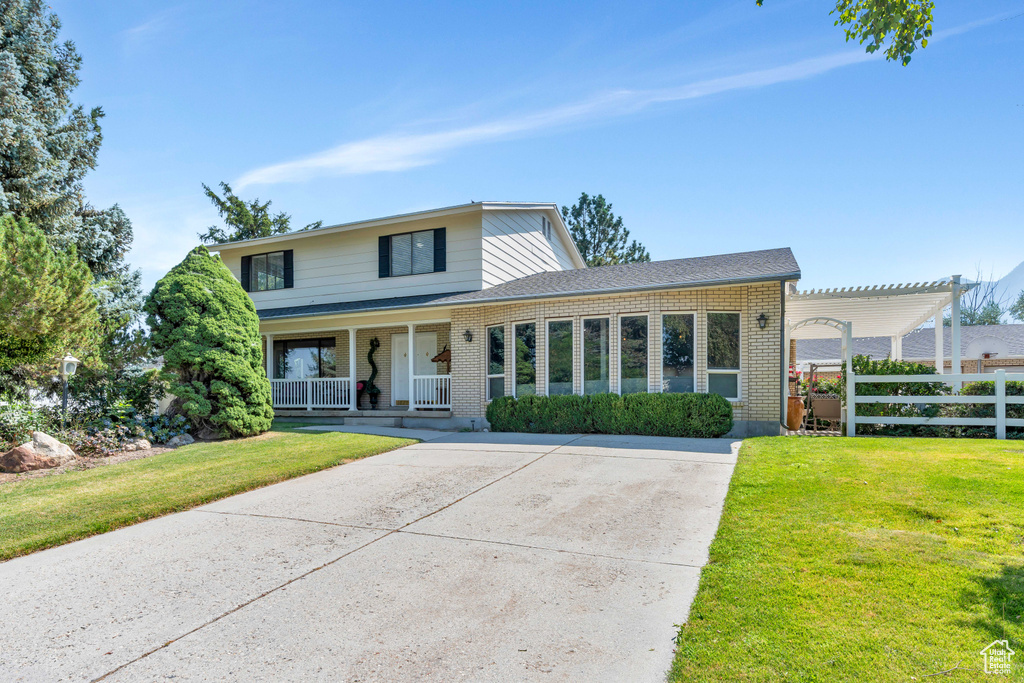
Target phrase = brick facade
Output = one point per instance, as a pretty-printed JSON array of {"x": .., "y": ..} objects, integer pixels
[{"x": 760, "y": 375}]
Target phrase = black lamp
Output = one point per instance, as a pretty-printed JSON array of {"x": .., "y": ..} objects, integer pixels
[
  {"x": 468, "y": 336},
  {"x": 762, "y": 321}
]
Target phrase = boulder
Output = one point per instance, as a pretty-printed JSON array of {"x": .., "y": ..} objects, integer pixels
[
  {"x": 180, "y": 440},
  {"x": 209, "y": 434},
  {"x": 47, "y": 446},
  {"x": 23, "y": 459},
  {"x": 141, "y": 444}
]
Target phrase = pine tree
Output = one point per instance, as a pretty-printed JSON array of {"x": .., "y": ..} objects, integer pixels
[
  {"x": 599, "y": 235},
  {"x": 46, "y": 306},
  {"x": 47, "y": 146},
  {"x": 207, "y": 329},
  {"x": 245, "y": 220}
]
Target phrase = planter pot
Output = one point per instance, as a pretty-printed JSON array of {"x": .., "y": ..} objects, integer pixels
[{"x": 794, "y": 413}]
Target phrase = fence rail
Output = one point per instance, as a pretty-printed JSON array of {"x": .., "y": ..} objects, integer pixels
[
  {"x": 312, "y": 392},
  {"x": 999, "y": 400},
  {"x": 432, "y": 391}
]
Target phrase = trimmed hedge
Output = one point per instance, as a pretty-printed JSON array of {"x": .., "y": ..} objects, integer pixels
[{"x": 689, "y": 415}]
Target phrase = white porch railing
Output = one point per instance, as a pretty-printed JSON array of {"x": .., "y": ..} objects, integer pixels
[
  {"x": 310, "y": 393},
  {"x": 432, "y": 391},
  {"x": 1000, "y": 400}
]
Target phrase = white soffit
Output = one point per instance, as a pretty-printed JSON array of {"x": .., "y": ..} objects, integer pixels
[{"x": 878, "y": 311}]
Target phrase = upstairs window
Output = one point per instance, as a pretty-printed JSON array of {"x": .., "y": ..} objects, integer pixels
[
  {"x": 412, "y": 253},
  {"x": 266, "y": 272},
  {"x": 545, "y": 227}
]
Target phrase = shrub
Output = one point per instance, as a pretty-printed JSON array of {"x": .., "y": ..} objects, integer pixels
[
  {"x": 688, "y": 415},
  {"x": 17, "y": 422},
  {"x": 206, "y": 327},
  {"x": 862, "y": 365},
  {"x": 1013, "y": 410}
]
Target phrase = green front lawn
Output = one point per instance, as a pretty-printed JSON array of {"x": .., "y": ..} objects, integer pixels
[
  {"x": 862, "y": 560},
  {"x": 48, "y": 511}
]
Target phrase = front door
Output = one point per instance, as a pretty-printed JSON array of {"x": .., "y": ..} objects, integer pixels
[{"x": 426, "y": 348}]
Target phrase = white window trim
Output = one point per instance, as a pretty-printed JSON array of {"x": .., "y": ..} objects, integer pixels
[
  {"x": 619, "y": 317},
  {"x": 707, "y": 368},
  {"x": 696, "y": 337},
  {"x": 514, "y": 393},
  {"x": 547, "y": 353},
  {"x": 583, "y": 374},
  {"x": 487, "y": 359}
]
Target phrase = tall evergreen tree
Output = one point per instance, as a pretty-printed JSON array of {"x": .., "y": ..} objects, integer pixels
[
  {"x": 600, "y": 235},
  {"x": 245, "y": 220},
  {"x": 47, "y": 146}
]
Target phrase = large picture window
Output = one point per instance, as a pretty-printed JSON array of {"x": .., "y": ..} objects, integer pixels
[
  {"x": 304, "y": 358},
  {"x": 495, "y": 362},
  {"x": 560, "y": 357},
  {"x": 595, "y": 356},
  {"x": 412, "y": 253},
  {"x": 525, "y": 366},
  {"x": 633, "y": 354},
  {"x": 724, "y": 354},
  {"x": 677, "y": 353}
]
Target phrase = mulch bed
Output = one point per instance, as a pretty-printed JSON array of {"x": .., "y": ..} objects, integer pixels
[{"x": 84, "y": 463}]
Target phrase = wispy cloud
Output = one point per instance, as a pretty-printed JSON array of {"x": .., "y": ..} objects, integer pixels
[
  {"x": 141, "y": 34},
  {"x": 401, "y": 151}
]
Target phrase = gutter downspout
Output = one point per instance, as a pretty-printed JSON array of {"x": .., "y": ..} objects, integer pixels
[{"x": 782, "y": 358}]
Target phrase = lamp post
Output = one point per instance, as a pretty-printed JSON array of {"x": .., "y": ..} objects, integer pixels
[{"x": 68, "y": 365}]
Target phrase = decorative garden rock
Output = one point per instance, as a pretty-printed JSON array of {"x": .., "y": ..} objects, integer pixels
[
  {"x": 47, "y": 446},
  {"x": 180, "y": 440},
  {"x": 137, "y": 445},
  {"x": 23, "y": 459}
]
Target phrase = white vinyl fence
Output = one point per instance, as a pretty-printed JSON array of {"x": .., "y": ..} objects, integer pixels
[{"x": 1000, "y": 400}]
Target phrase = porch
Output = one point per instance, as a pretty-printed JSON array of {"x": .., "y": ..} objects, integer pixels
[{"x": 359, "y": 372}]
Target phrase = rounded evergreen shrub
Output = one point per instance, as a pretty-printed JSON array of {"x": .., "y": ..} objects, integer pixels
[
  {"x": 687, "y": 415},
  {"x": 206, "y": 328}
]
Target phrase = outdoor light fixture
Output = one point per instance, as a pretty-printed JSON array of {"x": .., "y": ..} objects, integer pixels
[
  {"x": 468, "y": 336},
  {"x": 68, "y": 365},
  {"x": 762, "y": 320}
]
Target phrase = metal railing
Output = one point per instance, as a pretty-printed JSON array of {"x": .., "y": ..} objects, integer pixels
[
  {"x": 1000, "y": 400},
  {"x": 312, "y": 392},
  {"x": 432, "y": 391}
]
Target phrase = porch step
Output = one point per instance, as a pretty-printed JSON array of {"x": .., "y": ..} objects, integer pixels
[{"x": 373, "y": 421}]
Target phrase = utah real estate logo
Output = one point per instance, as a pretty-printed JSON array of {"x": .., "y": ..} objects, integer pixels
[{"x": 997, "y": 657}]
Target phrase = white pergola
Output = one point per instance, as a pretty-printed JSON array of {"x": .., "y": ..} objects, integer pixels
[{"x": 879, "y": 311}]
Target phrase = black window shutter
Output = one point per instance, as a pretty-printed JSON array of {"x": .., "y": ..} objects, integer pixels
[
  {"x": 440, "y": 251},
  {"x": 289, "y": 269},
  {"x": 384, "y": 256},
  {"x": 246, "y": 272}
]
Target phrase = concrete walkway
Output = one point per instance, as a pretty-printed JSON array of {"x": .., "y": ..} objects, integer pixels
[{"x": 496, "y": 557}]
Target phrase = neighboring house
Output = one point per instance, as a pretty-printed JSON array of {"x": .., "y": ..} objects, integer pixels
[
  {"x": 983, "y": 348},
  {"x": 501, "y": 286}
]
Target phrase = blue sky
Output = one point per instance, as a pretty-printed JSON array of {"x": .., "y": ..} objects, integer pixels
[{"x": 711, "y": 126}]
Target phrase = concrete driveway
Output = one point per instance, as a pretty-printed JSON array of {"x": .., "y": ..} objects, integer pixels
[{"x": 499, "y": 557}]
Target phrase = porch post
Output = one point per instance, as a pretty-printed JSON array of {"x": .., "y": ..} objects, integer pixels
[
  {"x": 955, "y": 336},
  {"x": 896, "y": 345},
  {"x": 353, "y": 396},
  {"x": 270, "y": 356},
  {"x": 940, "y": 355},
  {"x": 412, "y": 367}
]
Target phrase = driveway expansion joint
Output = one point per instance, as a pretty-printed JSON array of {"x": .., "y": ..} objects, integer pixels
[{"x": 289, "y": 582}]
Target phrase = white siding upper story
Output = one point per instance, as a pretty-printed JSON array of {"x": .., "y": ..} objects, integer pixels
[{"x": 486, "y": 245}]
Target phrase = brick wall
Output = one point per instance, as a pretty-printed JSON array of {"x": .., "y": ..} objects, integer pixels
[{"x": 759, "y": 349}]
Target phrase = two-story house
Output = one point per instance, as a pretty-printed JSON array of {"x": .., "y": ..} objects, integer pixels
[{"x": 467, "y": 303}]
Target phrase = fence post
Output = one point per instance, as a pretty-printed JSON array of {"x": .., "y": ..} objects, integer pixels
[
  {"x": 1000, "y": 404},
  {"x": 851, "y": 405},
  {"x": 309, "y": 394}
]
